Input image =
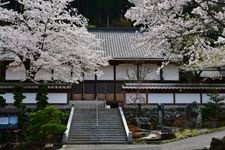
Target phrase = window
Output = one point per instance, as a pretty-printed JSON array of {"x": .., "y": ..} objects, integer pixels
[
  {"x": 109, "y": 88},
  {"x": 119, "y": 88},
  {"x": 89, "y": 88},
  {"x": 101, "y": 88},
  {"x": 76, "y": 89}
]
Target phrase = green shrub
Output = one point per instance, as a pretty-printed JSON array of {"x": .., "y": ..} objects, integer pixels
[
  {"x": 45, "y": 124},
  {"x": 2, "y": 100},
  {"x": 18, "y": 96},
  {"x": 41, "y": 97},
  {"x": 213, "y": 109}
]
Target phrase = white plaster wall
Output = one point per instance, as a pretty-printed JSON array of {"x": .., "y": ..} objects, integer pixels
[
  {"x": 15, "y": 72},
  {"x": 134, "y": 98},
  {"x": 107, "y": 73},
  {"x": 151, "y": 69},
  {"x": 166, "y": 98},
  {"x": 53, "y": 98},
  {"x": 170, "y": 72},
  {"x": 126, "y": 72},
  {"x": 187, "y": 98},
  {"x": 205, "y": 98},
  {"x": 57, "y": 98}
]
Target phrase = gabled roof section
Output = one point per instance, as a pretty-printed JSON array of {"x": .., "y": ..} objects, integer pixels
[
  {"x": 65, "y": 86},
  {"x": 214, "y": 72},
  {"x": 172, "y": 86},
  {"x": 117, "y": 43}
]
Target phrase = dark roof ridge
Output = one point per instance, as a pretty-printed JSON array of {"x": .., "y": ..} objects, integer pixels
[{"x": 114, "y": 29}]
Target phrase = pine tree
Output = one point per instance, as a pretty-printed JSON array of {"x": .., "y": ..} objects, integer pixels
[
  {"x": 41, "y": 97},
  {"x": 213, "y": 108},
  {"x": 18, "y": 96}
]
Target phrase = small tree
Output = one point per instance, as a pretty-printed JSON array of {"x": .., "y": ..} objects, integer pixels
[
  {"x": 41, "y": 97},
  {"x": 18, "y": 103},
  {"x": 213, "y": 109},
  {"x": 46, "y": 124},
  {"x": 18, "y": 96},
  {"x": 2, "y": 100}
]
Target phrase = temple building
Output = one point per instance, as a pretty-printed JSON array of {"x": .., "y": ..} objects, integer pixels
[{"x": 132, "y": 76}]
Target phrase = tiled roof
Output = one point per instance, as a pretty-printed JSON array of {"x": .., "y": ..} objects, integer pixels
[
  {"x": 118, "y": 45},
  {"x": 34, "y": 86},
  {"x": 211, "y": 74},
  {"x": 173, "y": 86},
  {"x": 10, "y": 111}
]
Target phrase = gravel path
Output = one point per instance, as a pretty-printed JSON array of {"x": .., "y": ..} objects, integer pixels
[
  {"x": 186, "y": 144},
  {"x": 193, "y": 142}
]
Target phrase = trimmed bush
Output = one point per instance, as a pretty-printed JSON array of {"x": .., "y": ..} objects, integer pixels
[
  {"x": 46, "y": 124},
  {"x": 2, "y": 100},
  {"x": 41, "y": 97},
  {"x": 18, "y": 96}
]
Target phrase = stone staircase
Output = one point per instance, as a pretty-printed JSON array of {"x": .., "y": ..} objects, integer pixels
[{"x": 85, "y": 129}]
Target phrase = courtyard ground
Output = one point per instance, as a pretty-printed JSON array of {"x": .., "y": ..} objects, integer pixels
[{"x": 191, "y": 143}]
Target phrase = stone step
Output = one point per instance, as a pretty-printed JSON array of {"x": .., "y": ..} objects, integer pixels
[
  {"x": 73, "y": 132},
  {"x": 101, "y": 124},
  {"x": 94, "y": 120},
  {"x": 99, "y": 131},
  {"x": 97, "y": 136},
  {"x": 96, "y": 142},
  {"x": 88, "y": 104},
  {"x": 109, "y": 130},
  {"x": 94, "y": 128},
  {"x": 111, "y": 138}
]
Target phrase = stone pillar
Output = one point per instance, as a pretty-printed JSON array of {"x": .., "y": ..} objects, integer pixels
[{"x": 160, "y": 114}]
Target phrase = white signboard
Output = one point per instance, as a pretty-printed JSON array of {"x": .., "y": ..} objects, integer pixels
[
  {"x": 4, "y": 120},
  {"x": 13, "y": 120}
]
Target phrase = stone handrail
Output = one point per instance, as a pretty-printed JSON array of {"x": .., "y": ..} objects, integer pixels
[
  {"x": 66, "y": 133},
  {"x": 128, "y": 133}
]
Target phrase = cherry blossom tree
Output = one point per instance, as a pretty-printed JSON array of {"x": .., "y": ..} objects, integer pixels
[
  {"x": 48, "y": 35},
  {"x": 190, "y": 30}
]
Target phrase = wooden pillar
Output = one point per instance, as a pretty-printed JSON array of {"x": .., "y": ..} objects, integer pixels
[
  {"x": 96, "y": 86},
  {"x": 3, "y": 67},
  {"x": 146, "y": 97},
  {"x": 138, "y": 72},
  {"x": 174, "y": 98},
  {"x": 2, "y": 72},
  {"x": 161, "y": 75},
  {"x": 114, "y": 82},
  {"x": 82, "y": 89},
  {"x": 201, "y": 100}
]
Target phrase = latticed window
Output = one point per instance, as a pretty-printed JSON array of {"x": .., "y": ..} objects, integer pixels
[
  {"x": 76, "y": 89},
  {"x": 89, "y": 88},
  {"x": 101, "y": 88},
  {"x": 118, "y": 87},
  {"x": 109, "y": 88}
]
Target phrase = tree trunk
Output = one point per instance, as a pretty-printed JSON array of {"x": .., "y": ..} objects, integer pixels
[
  {"x": 107, "y": 19},
  {"x": 99, "y": 16},
  {"x": 30, "y": 75}
]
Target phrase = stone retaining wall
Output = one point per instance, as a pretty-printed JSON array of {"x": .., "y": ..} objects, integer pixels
[{"x": 172, "y": 115}]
